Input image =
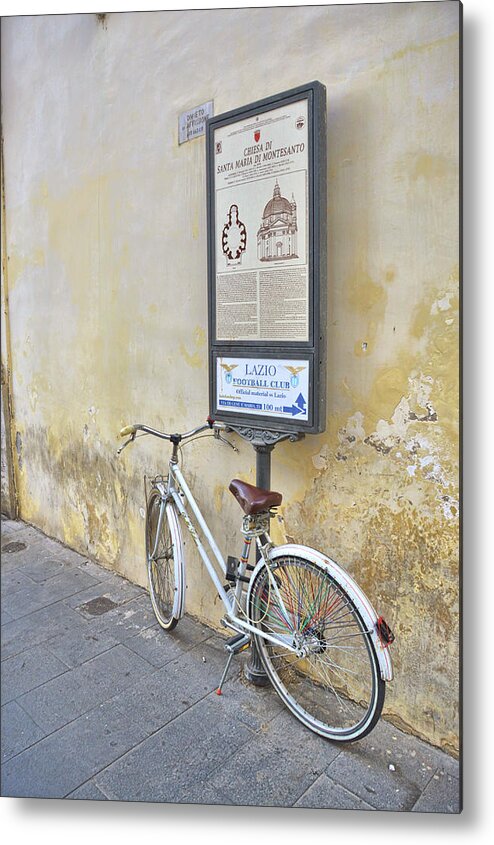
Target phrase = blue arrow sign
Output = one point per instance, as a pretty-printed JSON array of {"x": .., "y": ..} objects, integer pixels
[
  {"x": 297, "y": 408},
  {"x": 293, "y": 410}
]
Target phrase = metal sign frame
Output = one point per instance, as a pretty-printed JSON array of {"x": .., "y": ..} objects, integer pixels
[{"x": 312, "y": 348}]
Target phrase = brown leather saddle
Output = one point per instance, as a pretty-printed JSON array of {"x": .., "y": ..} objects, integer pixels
[{"x": 253, "y": 499}]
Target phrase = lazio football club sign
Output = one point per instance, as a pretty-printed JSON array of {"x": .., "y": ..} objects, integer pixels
[{"x": 263, "y": 386}]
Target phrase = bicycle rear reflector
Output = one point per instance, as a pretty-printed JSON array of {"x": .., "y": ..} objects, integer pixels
[{"x": 384, "y": 631}]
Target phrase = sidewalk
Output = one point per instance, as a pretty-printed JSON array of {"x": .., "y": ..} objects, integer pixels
[{"x": 99, "y": 703}]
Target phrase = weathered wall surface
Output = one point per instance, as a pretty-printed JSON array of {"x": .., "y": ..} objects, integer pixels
[
  {"x": 106, "y": 248},
  {"x": 5, "y": 481}
]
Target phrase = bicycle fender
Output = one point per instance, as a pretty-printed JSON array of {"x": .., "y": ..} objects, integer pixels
[
  {"x": 365, "y": 608},
  {"x": 179, "y": 560}
]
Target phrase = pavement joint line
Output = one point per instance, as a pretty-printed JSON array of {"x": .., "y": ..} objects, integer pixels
[
  {"x": 92, "y": 777},
  {"x": 434, "y": 772},
  {"x": 432, "y": 777},
  {"x": 347, "y": 790}
]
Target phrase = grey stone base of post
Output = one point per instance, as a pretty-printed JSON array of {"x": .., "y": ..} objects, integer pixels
[{"x": 254, "y": 671}]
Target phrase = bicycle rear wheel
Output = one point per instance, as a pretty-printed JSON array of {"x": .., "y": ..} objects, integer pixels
[
  {"x": 333, "y": 683},
  {"x": 164, "y": 562}
]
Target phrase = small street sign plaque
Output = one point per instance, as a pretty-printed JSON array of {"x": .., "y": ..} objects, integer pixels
[{"x": 192, "y": 123}]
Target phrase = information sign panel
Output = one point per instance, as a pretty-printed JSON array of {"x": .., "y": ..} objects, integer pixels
[
  {"x": 267, "y": 260},
  {"x": 269, "y": 387}
]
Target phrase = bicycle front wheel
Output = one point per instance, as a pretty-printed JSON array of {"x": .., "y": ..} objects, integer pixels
[
  {"x": 164, "y": 564},
  {"x": 332, "y": 683}
]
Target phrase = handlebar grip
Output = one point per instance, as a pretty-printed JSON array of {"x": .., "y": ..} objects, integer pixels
[{"x": 129, "y": 429}]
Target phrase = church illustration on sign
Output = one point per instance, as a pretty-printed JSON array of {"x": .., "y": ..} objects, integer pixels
[{"x": 277, "y": 235}]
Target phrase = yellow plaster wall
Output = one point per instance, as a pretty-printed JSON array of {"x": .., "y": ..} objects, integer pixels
[{"x": 106, "y": 272}]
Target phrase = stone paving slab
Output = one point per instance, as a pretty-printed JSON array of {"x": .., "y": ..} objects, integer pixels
[
  {"x": 29, "y": 670},
  {"x": 55, "y": 620},
  {"x": 12, "y": 581},
  {"x": 18, "y": 730},
  {"x": 117, "y": 589},
  {"x": 78, "y": 690},
  {"x": 327, "y": 794},
  {"x": 158, "y": 649},
  {"x": 44, "y": 593},
  {"x": 390, "y": 762},
  {"x": 166, "y": 766},
  {"x": 71, "y": 755},
  {"x": 99, "y": 703},
  {"x": 373, "y": 782},
  {"x": 80, "y": 644},
  {"x": 276, "y": 767},
  {"x": 5, "y": 617},
  {"x": 12, "y": 525},
  {"x": 52, "y": 567},
  {"x": 443, "y": 790}
]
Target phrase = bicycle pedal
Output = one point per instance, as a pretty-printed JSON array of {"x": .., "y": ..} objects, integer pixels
[{"x": 238, "y": 643}]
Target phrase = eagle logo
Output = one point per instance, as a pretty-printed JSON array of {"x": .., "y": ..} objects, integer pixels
[
  {"x": 294, "y": 380},
  {"x": 229, "y": 368}
]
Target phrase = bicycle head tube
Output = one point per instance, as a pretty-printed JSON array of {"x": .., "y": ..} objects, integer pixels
[{"x": 175, "y": 439}]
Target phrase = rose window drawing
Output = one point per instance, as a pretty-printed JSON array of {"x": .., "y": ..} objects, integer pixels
[
  {"x": 233, "y": 237},
  {"x": 277, "y": 234}
]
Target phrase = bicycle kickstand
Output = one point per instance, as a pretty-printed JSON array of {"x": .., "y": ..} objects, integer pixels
[{"x": 234, "y": 646}]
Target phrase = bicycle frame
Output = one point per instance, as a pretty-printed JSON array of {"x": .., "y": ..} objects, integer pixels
[{"x": 177, "y": 488}]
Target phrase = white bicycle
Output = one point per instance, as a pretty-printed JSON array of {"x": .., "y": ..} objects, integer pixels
[{"x": 321, "y": 643}]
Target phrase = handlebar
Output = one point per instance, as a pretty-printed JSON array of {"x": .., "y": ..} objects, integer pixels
[{"x": 130, "y": 431}]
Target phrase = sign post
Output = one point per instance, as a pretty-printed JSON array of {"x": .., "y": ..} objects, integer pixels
[{"x": 267, "y": 255}]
